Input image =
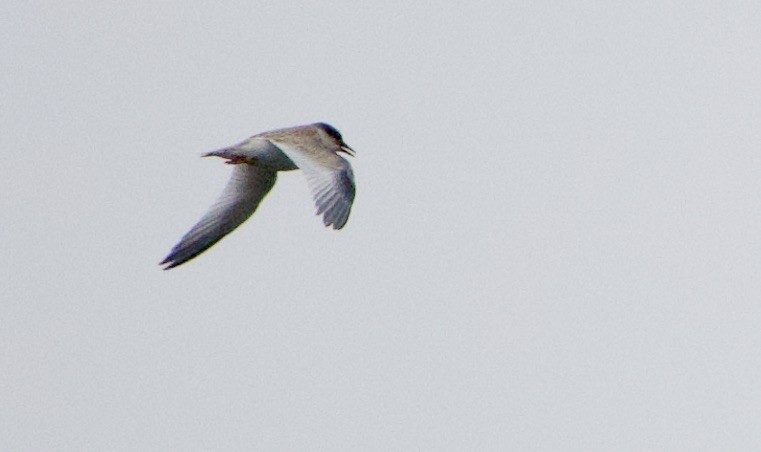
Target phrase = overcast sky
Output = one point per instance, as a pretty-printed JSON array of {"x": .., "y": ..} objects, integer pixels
[{"x": 554, "y": 246}]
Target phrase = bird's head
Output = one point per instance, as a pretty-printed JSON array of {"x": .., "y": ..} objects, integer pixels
[{"x": 335, "y": 136}]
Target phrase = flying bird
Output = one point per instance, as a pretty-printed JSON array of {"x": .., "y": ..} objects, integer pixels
[{"x": 311, "y": 148}]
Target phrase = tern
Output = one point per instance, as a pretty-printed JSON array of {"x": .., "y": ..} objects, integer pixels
[{"x": 311, "y": 148}]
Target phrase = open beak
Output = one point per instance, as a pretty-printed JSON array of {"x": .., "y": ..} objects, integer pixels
[{"x": 345, "y": 148}]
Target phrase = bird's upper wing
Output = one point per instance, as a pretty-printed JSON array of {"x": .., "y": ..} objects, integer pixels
[
  {"x": 330, "y": 179},
  {"x": 247, "y": 187}
]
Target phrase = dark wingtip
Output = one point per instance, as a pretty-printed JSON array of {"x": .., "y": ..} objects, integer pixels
[
  {"x": 184, "y": 254},
  {"x": 167, "y": 260},
  {"x": 172, "y": 260},
  {"x": 172, "y": 263}
]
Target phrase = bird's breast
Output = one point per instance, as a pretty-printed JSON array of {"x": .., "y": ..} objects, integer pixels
[
  {"x": 277, "y": 160},
  {"x": 266, "y": 153}
]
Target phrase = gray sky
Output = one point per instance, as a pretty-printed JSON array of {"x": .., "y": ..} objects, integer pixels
[{"x": 555, "y": 242}]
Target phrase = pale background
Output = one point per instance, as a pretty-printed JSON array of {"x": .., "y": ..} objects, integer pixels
[{"x": 555, "y": 243}]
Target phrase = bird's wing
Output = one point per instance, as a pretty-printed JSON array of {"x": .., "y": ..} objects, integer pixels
[
  {"x": 330, "y": 179},
  {"x": 247, "y": 187}
]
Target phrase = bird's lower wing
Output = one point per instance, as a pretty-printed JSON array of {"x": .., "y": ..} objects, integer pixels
[
  {"x": 330, "y": 179},
  {"x": 247, "y": 187}
]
